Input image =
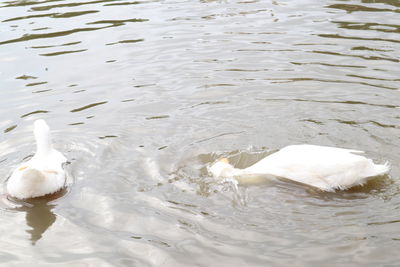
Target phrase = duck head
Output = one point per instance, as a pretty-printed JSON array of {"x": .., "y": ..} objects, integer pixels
[{"x": 222, "y": 169}]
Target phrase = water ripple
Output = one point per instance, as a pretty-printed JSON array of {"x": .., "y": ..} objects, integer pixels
[
  {"x": 88, "y": 106},
  {"x": 112, "y": 23},
  {"x": 339, "y": 36},
  {"x": 144, "y": 95},
  {"x": 54, "y": 15}
]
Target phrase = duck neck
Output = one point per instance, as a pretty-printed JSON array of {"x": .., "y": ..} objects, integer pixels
[
  {"x": 231, "y": 172},
  {"x": 43, "y": 143}
]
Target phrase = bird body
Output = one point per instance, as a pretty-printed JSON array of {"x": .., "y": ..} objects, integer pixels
[
  {"x": 327, "y": 168},
  {"x": 43, "y": 174}
]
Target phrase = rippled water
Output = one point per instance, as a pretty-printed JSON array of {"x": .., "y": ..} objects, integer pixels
[{"x": 143, "y": 95}]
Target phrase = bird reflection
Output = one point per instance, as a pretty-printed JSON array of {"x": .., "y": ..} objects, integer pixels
[
  {"x": 39, "y": 218},
  {"x": 39, "y": 214}
]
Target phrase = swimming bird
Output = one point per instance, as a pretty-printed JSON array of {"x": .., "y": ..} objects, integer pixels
[
  {"x": 43, "y": 174},
  {"x": 327, "y": 168}
]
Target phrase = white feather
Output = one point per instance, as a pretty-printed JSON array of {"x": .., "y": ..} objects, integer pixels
[
  {"x": 327, "y": 168},
  {"x": 43, "y": 174}
]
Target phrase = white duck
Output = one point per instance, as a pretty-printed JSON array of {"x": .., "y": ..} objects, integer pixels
[
  {"x": 327, "y": 168},
  {"x": 43, "y": 174}
]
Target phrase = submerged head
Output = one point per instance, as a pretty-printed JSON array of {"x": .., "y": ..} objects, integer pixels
[
  {"x": 42, "y": 135},
  {"x": 222, "y": 169}
]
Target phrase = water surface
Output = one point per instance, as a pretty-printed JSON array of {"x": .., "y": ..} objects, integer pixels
[{"x": 143, "y": 95}]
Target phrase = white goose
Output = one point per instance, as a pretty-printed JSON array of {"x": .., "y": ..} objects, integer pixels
[
  {"x": 43, "y": 174},
  {"x": 327, "y": 168}
]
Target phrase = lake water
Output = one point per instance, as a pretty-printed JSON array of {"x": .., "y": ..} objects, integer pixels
[{"x": 143, "y": 95}]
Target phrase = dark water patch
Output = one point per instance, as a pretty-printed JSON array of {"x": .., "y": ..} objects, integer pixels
[
  {"x": 41, "y": 29},
  {"x": 370, "y": 49},
  {"x": 74, "y": 14},
  {"x": 391, "y": 28},
  {"x": 266, "y": 50},
  {"x": 383, "y": 223},
  {"x": 159, "y": 242},
  {"x": 34, "y": 112},
  {"x": 128, "y": 100},
  {"x": 379, "y": 86},
  {"x": 218, "y": 85},
  {"x": 359, "y": 56},
  {"x": 371, "y": 78},
  {"x": 115, "y": 23},
  {"x": 157, "y": 117},
  {"x": 313, "y": 121},
  {"x": 382, "y": 125},
  {"x": 217, "y": 136},
  {"x": 9, "y": 129},
  {"x": 29, "y": 37},
  {"x": 304, "y": 79},
  {"x": 53, "y": 15},
  {"x": 27, "y": 17},
  {"x": 144, "y": 85},
  {"x": 385, "y": 2},
  {"x": 181, "y": 204},
  {"x": 247, "y": 70},
  {"x": 108, "y": 136},
  {"x": 51, "y": 46},
  {"x": 339, "y": 36},
  {"x": 88, "y": 106},
  {"x": 27, "y": 3},
  {"x": 328, "y": 65},
  {"x": 354, "y": 8},
  {"x": 315, "y": 44},
  {"x": 26, "y": 77},
  {"x": 48, "y": 7},
  {"x": 35, "y": 84},
  {"x": 347, "y": 102},
  {"x": 127, "y": 3},
  {"x": 348, "y": 122},
  {"x": 210, "y": 103},
  {"x": 385, "y": 125},
  {"x": 41, "y": 91},
  {"x": 127, "y": 42},
  {"x": 62, "y": 53}
]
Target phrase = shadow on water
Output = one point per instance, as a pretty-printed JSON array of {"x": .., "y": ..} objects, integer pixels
[{"x": 39, "y": 215}]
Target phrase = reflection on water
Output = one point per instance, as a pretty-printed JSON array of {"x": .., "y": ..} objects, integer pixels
[
  {"x": 144, "y": 95},
  {"x": 39, "y": 214},
  {"x": 39, "y": 218}
]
